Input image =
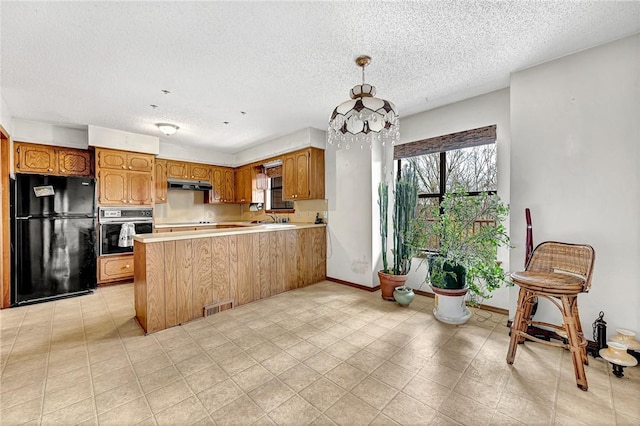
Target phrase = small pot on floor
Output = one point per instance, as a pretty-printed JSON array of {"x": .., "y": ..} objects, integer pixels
[
  {"x": 388, "y": 284},
  {"x": 450, "y": 306}
]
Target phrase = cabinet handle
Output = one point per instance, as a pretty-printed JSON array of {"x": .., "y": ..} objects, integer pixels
[
  {"x": 124, "y": 201},
  {"x": 127, "y": 266},
  {"x": 63, "y": 170},
  {"x": 50, "y": 170},
  {"x": 124, "y": 167},
  {"x": 130, "y": 167}
]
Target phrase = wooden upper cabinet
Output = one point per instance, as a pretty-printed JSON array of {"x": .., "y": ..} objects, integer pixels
[
  {"x": 303, "y": 174},
  {"x": 229, "y": 185},
  {"x": 74, "y": 162},
  {"x": 216, "y": 195},
  {"x": 223, "y": 191},
  {"x": 199, "y": 172},
  {"x": 190, "y": 171},
  {"x": 177, "y": 169},
  {"x": 124, "y": 178},
  {"x": 51, "y": 160},
  {"x": 123, "y": 188},
  {"x": 140, "y": 162},
  {"x": 33, "y": 158},
  {"x": 112, "y": 187},
  {"x": 161, "y": 180},
  {"x": 243, "y": 184},
  {"x": 140, "y": 189},
  {"x": 124, "y": 160}
]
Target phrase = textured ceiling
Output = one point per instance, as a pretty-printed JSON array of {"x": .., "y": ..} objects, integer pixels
[{"x": 286, "y": 64}]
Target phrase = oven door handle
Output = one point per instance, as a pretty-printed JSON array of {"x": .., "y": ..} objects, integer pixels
[{"x": 121, "y": 222}]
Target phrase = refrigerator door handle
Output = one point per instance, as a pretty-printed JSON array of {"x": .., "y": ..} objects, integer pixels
[{"x": 24, "y": 217}]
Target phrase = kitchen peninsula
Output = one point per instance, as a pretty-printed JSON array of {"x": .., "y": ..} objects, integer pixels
[{"x": 177, "y": 275}]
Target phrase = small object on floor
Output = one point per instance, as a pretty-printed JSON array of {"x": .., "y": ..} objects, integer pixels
[
  {"x": 627, "y": 338},
  {"x": 403, "y": 295},
  {"x": 617, "y": 355},
  {"x": 600, "y": 333}
]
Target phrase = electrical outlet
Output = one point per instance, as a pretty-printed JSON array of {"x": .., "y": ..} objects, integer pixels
[
  {"x": 308, "y": 214},
  {"x": 298, "y": 214},
  {"x": 325, "y": 215}
]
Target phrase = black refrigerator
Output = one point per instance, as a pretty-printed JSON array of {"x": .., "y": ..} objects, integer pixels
[{"x": 53, "y": 237}]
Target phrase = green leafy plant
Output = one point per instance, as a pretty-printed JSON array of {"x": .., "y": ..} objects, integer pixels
[
  {"x": 468, "y": 231},
  {"x": 403, "y": 220}
]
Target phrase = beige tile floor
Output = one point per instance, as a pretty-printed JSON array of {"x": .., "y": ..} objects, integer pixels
[{"x": 325, "y": 354}]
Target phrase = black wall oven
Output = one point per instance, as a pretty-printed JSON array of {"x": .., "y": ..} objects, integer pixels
[{"x": 117, "y": 222}]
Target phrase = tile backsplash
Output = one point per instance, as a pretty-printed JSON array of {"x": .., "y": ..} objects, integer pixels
[
  {"x": 305, "y": 212},
  {"x": 188, "y": 206}
]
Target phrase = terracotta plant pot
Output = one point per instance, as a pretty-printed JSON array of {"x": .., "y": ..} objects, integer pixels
[{"x": 388, "y": 284}]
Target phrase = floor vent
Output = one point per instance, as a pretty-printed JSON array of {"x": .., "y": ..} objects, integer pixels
[{"x": 219, "y": 306}]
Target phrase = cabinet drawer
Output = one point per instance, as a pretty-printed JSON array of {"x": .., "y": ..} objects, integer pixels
[{"x": 115, "y": 268}]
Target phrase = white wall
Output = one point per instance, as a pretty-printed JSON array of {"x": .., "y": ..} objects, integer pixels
[
  {"x": 479, "y": 111},
  {"x": 5, "y": 116},
  {"x": 301, "y": 139},
  {"x": 350, "y": 254},
  {"x": 49, "y": 134},
  {"x": 198, "y": 155},
  {"x": 575, "y": 158}
]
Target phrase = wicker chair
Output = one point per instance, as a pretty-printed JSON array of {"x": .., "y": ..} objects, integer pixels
[{"x": 557, "y": 272}]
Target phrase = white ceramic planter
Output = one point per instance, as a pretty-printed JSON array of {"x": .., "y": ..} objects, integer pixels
[{"x": 450, "y": 306}]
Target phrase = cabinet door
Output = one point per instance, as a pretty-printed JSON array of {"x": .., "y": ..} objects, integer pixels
[
  {"x": 243, "y": 185},
  {"x": 229, "y": 186},
  {"x": 302, "y": 175},
  {"x": 74, "y": 162},
  {"x": 109, "y": 159},
  {"x": 217, "y": 180},
  {"x": 199, "y": 171},
  {"x": 33, "y": 158},
  {"x": 139, "y": 162},
  {"x": 289, "y": 177},
  {"x": 160, "y": 168},
  {"x": 139, "y": 185},
  {"x": 177, "y": 169},
  {"x": 316, "y": 173},
  {"x": 113, "y": 187},
  {"x": 115, "y": 268}
]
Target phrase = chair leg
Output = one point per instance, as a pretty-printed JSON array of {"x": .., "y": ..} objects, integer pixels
[
  {"x": 583, "y": 341},
  {"x": 569, "y": 319},
  {"x": 519, "y": 321},
  {"x": 529, "y": 300}
]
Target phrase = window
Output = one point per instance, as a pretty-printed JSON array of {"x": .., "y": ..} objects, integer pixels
[
  {"x": 465, "y": 160},
  {"x": 274, "y": 195},
  {"x": 472, "y": 169}
]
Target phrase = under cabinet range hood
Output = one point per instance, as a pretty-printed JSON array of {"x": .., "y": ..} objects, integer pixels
[{"x": 189, "y": 185}]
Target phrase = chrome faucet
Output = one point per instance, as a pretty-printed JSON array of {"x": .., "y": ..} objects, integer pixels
[{"x": 274, "y": 217}]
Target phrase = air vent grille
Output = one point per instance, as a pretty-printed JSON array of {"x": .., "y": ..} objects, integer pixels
[{"x": 219, "y": 306}]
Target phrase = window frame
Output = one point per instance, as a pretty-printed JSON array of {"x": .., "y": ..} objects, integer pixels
[{"x": 268, "y": 197}]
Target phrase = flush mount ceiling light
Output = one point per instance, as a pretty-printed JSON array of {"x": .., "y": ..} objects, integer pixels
[
  {"x": 364, "y": 119},
  {"x": 167, "y": 129}
]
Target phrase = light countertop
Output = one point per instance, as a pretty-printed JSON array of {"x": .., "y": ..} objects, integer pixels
[
  {"x": 192, "y": 224},
  {"x": 243, "y": 228}
]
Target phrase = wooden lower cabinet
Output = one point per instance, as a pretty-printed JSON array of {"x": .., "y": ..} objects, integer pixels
[
  {"x": 174, "y": 280},
  {"x": 115, "y": 268}
]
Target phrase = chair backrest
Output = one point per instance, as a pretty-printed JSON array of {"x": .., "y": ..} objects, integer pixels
[{"x": 575, "y": 259}]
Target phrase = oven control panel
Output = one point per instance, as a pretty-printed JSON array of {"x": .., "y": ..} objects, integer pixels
[{"x": 110, "y": 214}]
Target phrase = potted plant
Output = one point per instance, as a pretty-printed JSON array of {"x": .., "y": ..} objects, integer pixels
[
  {"x": 403, "y": 222},
  {"x": 467, "y": 231}
]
